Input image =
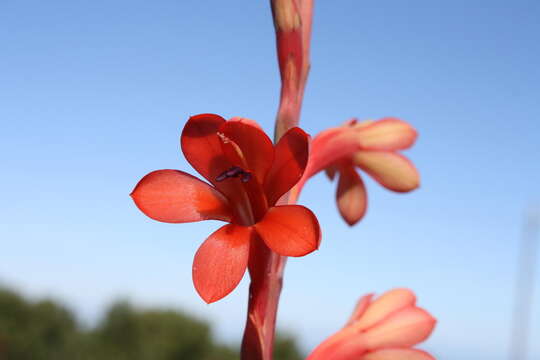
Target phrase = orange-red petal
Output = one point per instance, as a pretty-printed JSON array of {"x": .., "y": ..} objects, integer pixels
[
  {"x": 291, "y": 156},
  {"x": 221, "y": 261},
  {"x": 290, "y": 230},
  {"x": 256, "y": 147},
  {"x": 393, "y": 171},
  {"x": 384, "y": 306},
  {"x": 351, "y": 195},
  {"x": 360, "y": 308},
  {"x": 175, "y": 197},
  {"x": 404, "y": 328},
  {"x": 386, "y": 134},
  {"x": 328, "y": 147},
  {"x": 346, "y": 344},
  {"x": 397, "y": 354},
  {"x": 202, "y": 146}
]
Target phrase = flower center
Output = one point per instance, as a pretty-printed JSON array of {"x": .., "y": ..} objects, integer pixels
[{"x": 235, "y": 172}]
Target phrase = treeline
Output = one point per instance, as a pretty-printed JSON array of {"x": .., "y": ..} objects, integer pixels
[{"x": 46, "y": 330}]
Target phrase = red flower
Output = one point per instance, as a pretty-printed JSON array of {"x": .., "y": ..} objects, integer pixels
[
  {"x": 370, "y": 146},
  {"x": 382, "y": 329},
  {"x": 249, "y": 175}
]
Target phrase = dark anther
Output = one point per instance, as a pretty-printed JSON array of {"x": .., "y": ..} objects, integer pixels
[
  {"x": 245, "y": 177},
  {"x": 234, "y": 172}
]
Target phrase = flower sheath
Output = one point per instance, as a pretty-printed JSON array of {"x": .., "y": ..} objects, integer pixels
[{"x": 248, "y": 175}]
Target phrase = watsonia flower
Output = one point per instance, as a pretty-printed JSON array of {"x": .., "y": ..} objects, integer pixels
[
  {"x": 382, "y": 329},
  {"x": 370, "y": 146},
  {"x": 248, "y": 176}
]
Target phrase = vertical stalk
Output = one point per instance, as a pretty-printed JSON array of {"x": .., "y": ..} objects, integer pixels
[
  {"x": 266, "y": 272},
  {"x": 525, "y": 288},
  {"x": 292, "y": 22}
]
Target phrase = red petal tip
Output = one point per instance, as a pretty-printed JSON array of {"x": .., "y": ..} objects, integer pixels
[
  {"x": 221, "y": 261},
  {"x": 290, "y": 230},
  {"x": 174, "y": 196}
]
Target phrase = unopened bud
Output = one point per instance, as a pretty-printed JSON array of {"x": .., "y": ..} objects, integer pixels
[{"x": 286, "y": 15}]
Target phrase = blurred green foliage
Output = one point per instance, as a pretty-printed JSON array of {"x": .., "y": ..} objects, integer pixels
[{"x": 46, "y": 330}]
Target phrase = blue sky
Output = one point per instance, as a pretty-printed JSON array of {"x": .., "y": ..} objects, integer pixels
[{"x": 93, "y": 95}]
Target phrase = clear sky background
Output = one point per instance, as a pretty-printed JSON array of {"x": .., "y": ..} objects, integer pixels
[{"x": 93, "y": 95}]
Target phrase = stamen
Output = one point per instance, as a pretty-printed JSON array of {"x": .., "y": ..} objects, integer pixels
[
  {"x": 223, "y": 138},
  {"x": 246, "y": 176},
  {"x": 235, "y": 172}
]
